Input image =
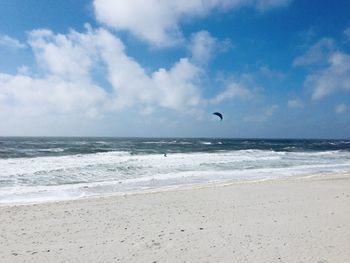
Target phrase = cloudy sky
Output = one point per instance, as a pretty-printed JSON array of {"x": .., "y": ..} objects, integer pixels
[{"x": 274, "y": 68}]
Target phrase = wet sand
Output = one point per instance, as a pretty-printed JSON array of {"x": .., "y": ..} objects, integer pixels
[{"x": 290, "y": 220}]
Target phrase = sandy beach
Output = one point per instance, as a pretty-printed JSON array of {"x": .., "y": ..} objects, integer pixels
[{"x": 290, "y": 220}]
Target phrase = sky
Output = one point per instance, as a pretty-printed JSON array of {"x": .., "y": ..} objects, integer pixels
[{"x": 158, "y": 68}]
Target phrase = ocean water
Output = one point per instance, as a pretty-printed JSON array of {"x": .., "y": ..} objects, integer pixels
[{"x": 48, "y": 169}]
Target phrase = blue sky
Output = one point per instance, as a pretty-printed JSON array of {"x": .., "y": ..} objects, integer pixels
[{"x": 274, "y": 68}]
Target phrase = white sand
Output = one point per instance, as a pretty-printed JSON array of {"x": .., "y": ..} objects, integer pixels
[{"x": 294, "y": 220}]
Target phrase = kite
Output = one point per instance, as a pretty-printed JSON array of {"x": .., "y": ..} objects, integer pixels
[{"x": 218, "y": 114}]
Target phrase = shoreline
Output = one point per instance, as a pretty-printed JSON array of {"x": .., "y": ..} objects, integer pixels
[
  {"x": 288, "y": 220},
  {"x": 181, "y": 187}
]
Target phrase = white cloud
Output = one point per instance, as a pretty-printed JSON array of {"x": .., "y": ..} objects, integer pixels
[
  {"x": 64, "y": 88},
  {"x": 317, "y": 53},
  {"x": 23, "y": 70},
  {"x": 147, "y": 110},
  {"x": 233, "y": 90},
  {"x": 263, "y": 116},
  {"x": 340, "y": 108},
  {"x": 271, "y": 74},
  {"x": 175, "y": 88},
  {"x": 8, "y": 41},
  {"x": 67, "y": 86},
  {"x": 268, "y": 4},
  {"x": 158, "y": 22},
  {"x": 270, "y": 110},
  {"x": 332, "y": 71},
  {"x": 67, "y": 56},
  {"x": 31, "y": 96},
  {"x": 347, "y": 33},
  {"x": 202, "y": 47},
  {"x": 295, "y": 103},
  {"x": 335, "y": 77}
]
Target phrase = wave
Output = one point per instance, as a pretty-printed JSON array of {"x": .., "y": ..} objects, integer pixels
[
  {"x": 51, "y": 150},
  {"x": 75, "y": 176},
  {"x": 160, "y": 142}
]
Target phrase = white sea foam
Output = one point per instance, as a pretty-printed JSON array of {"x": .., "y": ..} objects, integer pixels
[
  {"x": 206, "y": 143},
  {"x": 51, "y": 150},
  {"x": 75, "y": 176},
  {"x": 160, "y": 142}
]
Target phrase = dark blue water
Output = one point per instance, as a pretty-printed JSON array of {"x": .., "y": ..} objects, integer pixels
[
  {"x": 28, "y": 147},
  {"x": 42, "y": 169}
]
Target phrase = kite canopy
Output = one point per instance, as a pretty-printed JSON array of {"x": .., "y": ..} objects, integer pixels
[{"x": 218, "y": 114}]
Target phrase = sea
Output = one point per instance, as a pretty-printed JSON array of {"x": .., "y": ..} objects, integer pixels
[{"x": 43, "y": 169}]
